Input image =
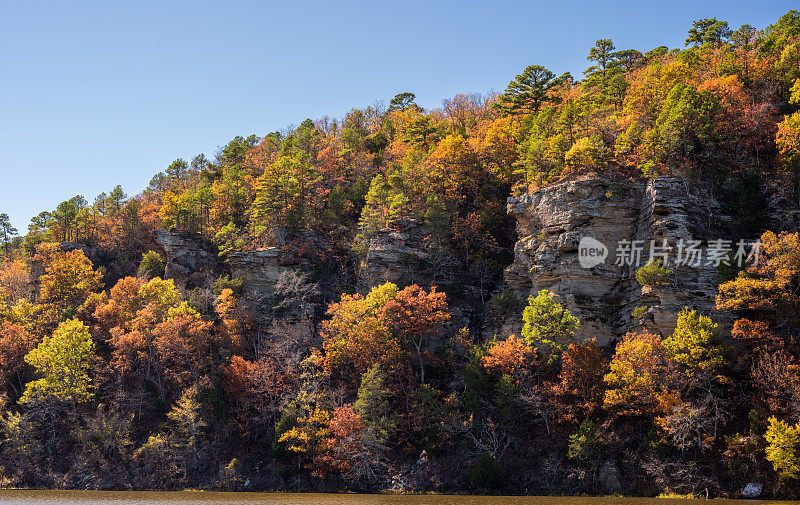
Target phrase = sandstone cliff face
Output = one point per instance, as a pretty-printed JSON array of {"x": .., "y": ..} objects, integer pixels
[
  {"x": 260, "y": 269},
  {"x": 263, "y": 273},
  {"x": 392, "y": 257},
  {"x": 190, "y": 258},
  {"x": 552, "y": 222},
  {"x": 267, "y": 292}
]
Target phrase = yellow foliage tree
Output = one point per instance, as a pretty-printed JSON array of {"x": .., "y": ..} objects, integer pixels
[{"x": 64, "y": 361}]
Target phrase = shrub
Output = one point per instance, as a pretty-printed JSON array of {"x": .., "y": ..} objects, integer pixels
[
  {"x": 487, "y": 473},
  {"x": 585, "y": 445},
  {"x": 548, "y": 325},
  {"x": 151, "y": 266},
  {"x": 653, "y": 274},
  {"x": 639, "y": 312},
  {"x": 373, "y": 403},
  {"x": 506, "y": 302},
  {"x": 226, "y": 282}
]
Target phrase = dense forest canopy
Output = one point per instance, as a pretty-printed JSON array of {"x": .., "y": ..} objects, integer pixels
[{"x": 114, "y": 376}]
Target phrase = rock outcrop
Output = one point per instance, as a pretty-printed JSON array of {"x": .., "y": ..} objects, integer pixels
[
  {"x": 192, "y": 261},
  {"x": 268, "y": 285},
  {"x": 394, "y": 256},
  {"x": 552, "y": 222},
  {"x": 260, "y": 269},
  {"x": 190, "y": 258},
  {"x": 752, "y": 490}
]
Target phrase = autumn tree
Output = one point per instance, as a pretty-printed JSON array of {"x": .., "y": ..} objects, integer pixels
[
  {"x": 768, "y": 290},
  {"x": 64, "y": 360},
  {"x": 776, "y": 376},
  {"x": 356, "y": 336},
  {"x": 309, "y": 435},
  {"x": 259, "y": 388},
  {"x": 511, "y": 357},
  {"x": 135, "y": 315},
  {"x": 349, "y": 449},
  {"x": 638, "y": 377},
  {"x": 68, "y": 280},
  {"x": 236, "y": 325},
  {"x": 693, "y": 345},
  {"x": 14, "y": 283},
  {"x": 548, "y": 324},
  {"x": 788, "y": 135},
  {"x": 384, "y": 327},
  {"x": 414, "y": 316},
  {"x": 182, "y": 342},
  {"x": 783, "y": 440},
  {"x": 582, "y": 371},
  {"x": 15, "y": 343}
]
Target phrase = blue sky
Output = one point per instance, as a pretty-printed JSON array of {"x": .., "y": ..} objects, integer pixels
[{"x": 94, "y": 94}]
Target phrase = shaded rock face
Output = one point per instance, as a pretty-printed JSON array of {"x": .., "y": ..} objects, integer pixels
[
  {"x": 190, "y": 258},
  {"x": 393, "y": 256},
  {"x": 552, "y": 222},
  {"x": 410, "y": 257},
  {"x": 671, "y": 212},
  {"x": 261, "y": 271},
  {"x": 609, "y": 477},
  {"x": 782, "y": 207},
  {"x": 193, "y": 262}
]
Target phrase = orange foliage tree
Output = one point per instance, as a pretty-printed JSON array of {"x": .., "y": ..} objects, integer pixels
[
  {"x": 15, "y": 343},
  {"x": 639, "y": 377},
  {"x": 582, "y": 371},
  {"x": 69, "y": 277}
]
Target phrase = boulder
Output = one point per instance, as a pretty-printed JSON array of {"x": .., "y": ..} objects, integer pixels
[
  {"x": 609, "y": 478},
  {"x": 752, "y": 490}
]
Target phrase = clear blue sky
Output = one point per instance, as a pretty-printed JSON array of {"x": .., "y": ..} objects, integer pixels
[{"x": 104, "y": 93}]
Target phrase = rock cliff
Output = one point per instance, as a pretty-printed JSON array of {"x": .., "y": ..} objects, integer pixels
[
  {"x": 394, "y": 256},
  {"x": 190, "y": 258},
  {"x": 269, "y": 287},
  {"x": 551, "y": 223}
]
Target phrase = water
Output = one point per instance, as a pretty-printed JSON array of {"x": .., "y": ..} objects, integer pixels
[{"x": 9, "y": 497}]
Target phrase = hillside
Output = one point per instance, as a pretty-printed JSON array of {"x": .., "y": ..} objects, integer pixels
[{"x": 411, "y": 300}]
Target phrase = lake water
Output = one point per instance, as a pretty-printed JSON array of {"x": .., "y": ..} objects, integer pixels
[{"x": 9, "y": 497}]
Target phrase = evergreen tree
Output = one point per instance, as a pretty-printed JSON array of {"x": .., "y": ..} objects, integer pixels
[
  {"x": 7, "y": 232},
  {"x": 529, "y": 91},
  {"x": 373, "y": 403}
]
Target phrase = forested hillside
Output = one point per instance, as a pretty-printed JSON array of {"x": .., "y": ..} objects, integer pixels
[{"x": 121, "y": 369}]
